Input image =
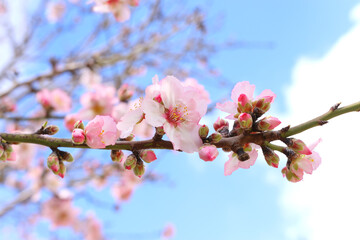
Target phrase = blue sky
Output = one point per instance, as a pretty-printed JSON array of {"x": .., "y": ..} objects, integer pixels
[{"x": 287, "y": 42}]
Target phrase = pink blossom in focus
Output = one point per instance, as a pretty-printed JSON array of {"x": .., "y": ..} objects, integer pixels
[
  {"x": 119, "y": 111},
  {"x": 119, "y": 8},
  {"x": 208, "y": 152},
  {"x": 55, "y": 11},
  {"x": 302, "y": 164},
  {"x": 101, "y": 132},
  {"x": 60, "y": 212},
  {"x": 56, "y": 100},
  {"x": 236, "y": 95},
  {"x": 134, "y": 116},
  {"x": 178, "y": 109},
  {"x": 234, "y": 163}
]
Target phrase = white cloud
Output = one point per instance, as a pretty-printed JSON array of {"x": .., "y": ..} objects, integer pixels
[{"x": 326, "y": 205}]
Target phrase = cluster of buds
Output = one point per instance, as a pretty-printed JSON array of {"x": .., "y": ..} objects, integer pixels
[
  {"x": 78, "y": 134},
  {"x": 301, "y": 159},
  {"x": 136, "y": 161},
  {"x": 55, "y": 162},
  {"x": 6, "y": 152}
]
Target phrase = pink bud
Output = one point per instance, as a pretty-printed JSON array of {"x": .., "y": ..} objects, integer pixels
[
  {"x": 53, "y": 162},
  {"x": 117, "y": 155},
  {"x": 300, "y": 147},
  {"x": 268, "y": 123},
  {"x": 51, "y": 130},
  {"x": 264, "y": 103},
  {"x": 245, "y": 121},
  {"x": 215, "y": 137},
  {"x": 148, "y": 156},
  {"x": 134, "y": 3},
  {"x": 62, "y": 170},
  {"x": 290, "y": 176},
  {"x": 220, "y": 124},
  {"x": 130, "y": 162},
  {"x": 78, "y": 136},
  {"x": 271, "y": 157},
  {"x": 244, "y": 104},
  {"x": 208, "y": 152},
  {"x": 79, "y": 124}
]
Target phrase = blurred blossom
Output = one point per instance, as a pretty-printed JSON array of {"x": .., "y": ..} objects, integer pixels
[
  {"x": 60, "y": 212},
  {"x": 89, "y": 78},
  {"x": 168, "y": 232},
  {"x": 56, "y": 100},
  {"x": 100, "y": 101},
  {"x": 55, "y": 11},
  {"x": 119, "y": 8}
]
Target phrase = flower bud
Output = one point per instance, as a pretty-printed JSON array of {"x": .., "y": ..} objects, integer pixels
[
  {"x": 65, "y": 156},
  {"x": 267, "y": 123},
  {"x": 297, "y": 145},
  {"x": 62, "y": 170},
  {"x": 130, "y": 162},
  {"x": 125, "y": 92},
  {"x": 290, "y": 176},
  {"x": 271, "y": 157},
  {"x": 160, "y": 131},
  {"x": 53, "y": 162},
  {"x": 263, "y": 104},
  {"x": 148, "y": 156},
  {"x": 139, "y": 169},
  {"x": 245, "y": 121},
  {"x": 244, "y": 104},
  {"x": 79, "y": 124},
  {"x": 51, "y": 130},
  {"x": 203, "y": 131},
  {"x": 116, "y": 155},
  {"x": 220, "y": 124},
  {"x": 2, "y": 150},
  {"x": 215, "y": 137},
  {"x": 78, "y": 136},
  {"x": 208, "y": 152}
]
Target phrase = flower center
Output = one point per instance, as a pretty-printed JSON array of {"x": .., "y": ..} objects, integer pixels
[{"x": 176, "y": 115}]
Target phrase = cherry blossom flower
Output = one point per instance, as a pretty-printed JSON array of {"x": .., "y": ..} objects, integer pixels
[
  {"x": 56, "y": 100},
  {"x": 123, "y": 190},
  {"x": 134, "y": 116},
  {"x": 101, "y": 132},
  {"x": 302, "y": 163},
  {"x": 7, "y": 105},
  {"x": 100, "y": 101},
  {"x": 92, "y": 228},
  {"x": 234, "y": 163},
  {"x": 119, "y": 8},
  {"x": 178, "y": 109},
  {"x": 60, "y": 212},
  {"x": 242, "y": 94}
]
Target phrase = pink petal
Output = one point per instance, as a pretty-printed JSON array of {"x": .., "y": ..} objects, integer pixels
[
  {"x": 267, "y": 93},
  {"x": 229, "y": 107},
  {"x": 242, "y": 88}
]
